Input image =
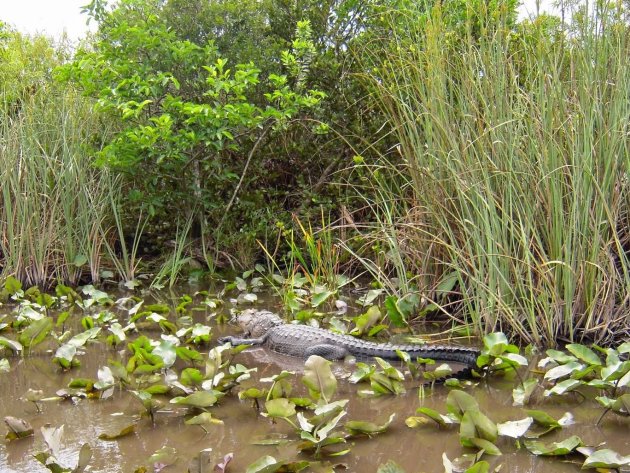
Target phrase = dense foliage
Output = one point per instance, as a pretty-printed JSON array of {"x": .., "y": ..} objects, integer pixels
[{"x": 472, "y": 163}]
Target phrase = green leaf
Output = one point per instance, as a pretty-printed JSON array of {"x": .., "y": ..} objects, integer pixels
[
  {"x": 458, "y": 402},
  {"x": 320, "y": 297},
  {"x": 129, "y": 429},
  {"x": 475, "y": 424},
  {"x": 370, "y": 297},
  {"x": 12, "y": 285},
  {"x": 266, "y": 464},
  {"x": 85, "y": 455},
  {"x": 188, "y": 354},
  {"x": 606, "y": 458},
  {"x": 390, "y": 467},
  {"x": 205, "y": 418},
  {"x": 393, "y": 313},
  {"x": 485, "y": 445},
  {"x": 495, "y": 343},
  {"x": 36, "y": 332},
  {"x": 522, "y": 393},
  {"x": 563, "y": 370},
  {"x": 362, "y": 372},
  {"x": 563, "y": 387},
  {"x": 479, "y": 467},
  {"x": 365, "y": 321},
  {"x": 81, "y": 339},
  {"x": 434, "y": 415},
  {"x": 554, "y": 449},
  {"x": 163, "y": 456},
  {"x": 252, "y": 393},
  {"x": 319, "y": 379},
  {"x": 367, "y": 428},
  {"x": 542, "y": 418},
  {"x": 191, "y": 377},
  {"x": 199, "y": 399},
  {"x": 622, "y": 404},
  {"x": 11, "y": 344},
  {"x": 584, "y": 353},
  {"x": 166, "y": 351},
  {"x": 18, "y": 428},
  {"x": 560, "y": 357},
  {"x": 65, "y": 354},
  {"x": 280, "y": 407}
]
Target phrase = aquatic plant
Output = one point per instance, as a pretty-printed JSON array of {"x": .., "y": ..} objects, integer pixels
[{"x": 509, "y": 172}]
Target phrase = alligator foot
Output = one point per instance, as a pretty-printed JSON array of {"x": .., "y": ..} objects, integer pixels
[{"x": 235, "y": 341}]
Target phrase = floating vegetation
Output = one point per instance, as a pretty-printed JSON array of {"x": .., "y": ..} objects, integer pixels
[{"x": 162, "y": 356}]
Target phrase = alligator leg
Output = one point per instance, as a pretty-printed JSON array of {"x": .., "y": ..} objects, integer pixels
[
  {"x": 235, "y": 341},
  {"x": 330, "y": 352}
]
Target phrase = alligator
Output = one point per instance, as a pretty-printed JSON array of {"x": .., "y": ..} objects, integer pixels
[{"x": 266, "y": 328}]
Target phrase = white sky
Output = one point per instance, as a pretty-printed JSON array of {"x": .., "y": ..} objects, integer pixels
[{"x": 53, "y": 17}]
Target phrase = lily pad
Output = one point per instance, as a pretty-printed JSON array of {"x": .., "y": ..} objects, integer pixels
[
  {"x": 390, "y": 467},
  {"x": 13, "y": 345},
  {"x": 205, "y": 418},
  {"x": 584, "y": 353},
  {"x": 515, "y": 428},
  {"x": 458, "y": 402},
  {"x": 18, "y": 428},
  {"x": 319, "y": 378},
  {"x": 606, "y": 458},
  {"x": 522, "y": 393},
  {"x": 554, "y": 449},
  {"x": 127, "y": 430},
  {"x": 269, "y": 464},
  {"x": 200, "y": 399},
  {"x": 280, "y": 407},
  {"x": 368, "y": 428}
]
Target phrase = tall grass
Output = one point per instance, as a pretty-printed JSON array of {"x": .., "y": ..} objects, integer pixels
[
  {"x": 54, "y": 203},
  {"x": 512, "y": 166}
]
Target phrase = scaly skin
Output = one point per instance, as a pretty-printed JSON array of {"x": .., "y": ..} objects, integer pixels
[{"x": 268, "y": 329}]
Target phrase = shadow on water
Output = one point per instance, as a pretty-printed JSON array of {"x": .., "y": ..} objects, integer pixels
[{"x": 416, "y": 450}]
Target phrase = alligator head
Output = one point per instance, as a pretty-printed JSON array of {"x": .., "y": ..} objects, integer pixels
[{"x": 256, "y": 323}]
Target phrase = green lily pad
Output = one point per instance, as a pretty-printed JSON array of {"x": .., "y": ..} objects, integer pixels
[
  {"x": 458, "y": 402},
  {"x": 205, "y": 418},
  {"x": 368, "y": 428},
  {"x": 522, "y": 393},
  {"x": 280, "y": 407},
  {"x": 554, "y": 449},
  {"x": 584, "y": 353},
  {"x": 13, "y": 345},
  {"x": 563, "y": 370},
  {"x": 18, "y": 428},
  {"x": 127, "y": 430},
  {"x": 390, "y": 467},
  {"x": 199, "y": 399},
  {"x": 319, "y": 379},
  {"x": 606, "y": 458}
]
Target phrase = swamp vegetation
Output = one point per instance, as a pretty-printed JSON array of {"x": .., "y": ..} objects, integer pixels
[
  {"x": 158, "y": 391},
  {"x": 379, "y": 168}
]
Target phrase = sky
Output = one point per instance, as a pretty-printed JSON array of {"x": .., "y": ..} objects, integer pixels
[{"x": 53, "y": 17}]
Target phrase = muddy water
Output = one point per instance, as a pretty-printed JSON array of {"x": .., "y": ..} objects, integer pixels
[{"x": 416, "y": 450}]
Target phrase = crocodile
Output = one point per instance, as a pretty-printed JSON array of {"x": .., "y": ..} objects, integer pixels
[{"x": 266, "y": 328}]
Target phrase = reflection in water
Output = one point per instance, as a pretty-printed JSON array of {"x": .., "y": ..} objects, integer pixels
[{"x": 416, "y": 450}]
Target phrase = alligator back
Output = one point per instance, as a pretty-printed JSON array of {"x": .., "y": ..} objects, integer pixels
[{"x": 296, "y": 340}]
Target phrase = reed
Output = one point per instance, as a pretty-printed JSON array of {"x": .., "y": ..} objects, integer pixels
[
  {"x": 512, "y": 164},
  {"x": 54, "y": 203}
]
